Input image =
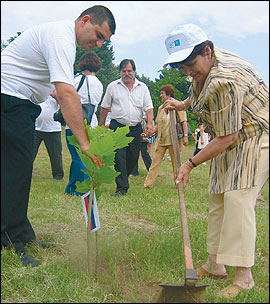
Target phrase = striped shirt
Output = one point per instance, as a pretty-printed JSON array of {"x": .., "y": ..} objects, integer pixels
[{"x": 234, "y": 98}]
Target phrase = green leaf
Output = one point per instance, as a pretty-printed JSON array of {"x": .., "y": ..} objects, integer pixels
[
  {"x": 109, "y": 160},
  {"x": 120, "y": 138},
  {"x": 106, "y": 145},
  {"x": 106, "y": 174},
  {"x": 72, "y": 140},
  {"x": 103, "y": 143},
  {"x": 84, "y": 186},
  {"x": 98, "y": 193}
]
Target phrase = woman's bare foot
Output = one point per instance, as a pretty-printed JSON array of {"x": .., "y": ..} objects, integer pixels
[
  {"x": 243, "y": 278},
  {"x": 212, "y": 267}
]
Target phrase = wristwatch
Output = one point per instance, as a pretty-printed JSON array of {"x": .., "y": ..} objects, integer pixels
[{"x": 186, "y": 135}]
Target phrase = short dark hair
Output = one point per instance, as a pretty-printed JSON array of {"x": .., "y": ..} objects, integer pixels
[
  {"x": 198, "y": 50},
  {"x": 100, "y": 14},
  {"x": 168, "y": 89},
  {"x": 124, "y": 62},
  {"x": 89, "y": 61}
]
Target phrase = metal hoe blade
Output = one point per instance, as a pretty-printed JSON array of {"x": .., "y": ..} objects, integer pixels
[
  {"x": 188, "y": 293},
  {"x": 182, "y": 294}
]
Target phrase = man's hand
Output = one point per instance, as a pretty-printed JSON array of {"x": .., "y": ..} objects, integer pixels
[
  {"x": 185, "y": 140},
  {"x": 96, "y": 161},
  {"x": 149, "y": 129}
]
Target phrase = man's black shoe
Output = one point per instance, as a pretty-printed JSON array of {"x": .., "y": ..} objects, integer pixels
[
  {"x": 27, "y": 261},
  {"x": 118, "y": 193},
  {"x": 43, "y": 245}
]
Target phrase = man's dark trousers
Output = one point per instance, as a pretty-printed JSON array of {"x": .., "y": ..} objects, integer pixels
[
  {"x": 17, "y": 140},
  {"x": 53, "y": 145},
  {"x": 126, "y": 158}
]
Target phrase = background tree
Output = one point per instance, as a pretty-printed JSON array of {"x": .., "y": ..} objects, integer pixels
[{"x": 5, "y": 44}]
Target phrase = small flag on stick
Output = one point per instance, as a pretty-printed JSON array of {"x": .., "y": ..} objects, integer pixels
[{"x": 95, "y": 224}]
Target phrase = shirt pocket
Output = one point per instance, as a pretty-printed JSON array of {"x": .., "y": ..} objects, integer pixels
[{"x": 137, "y": 100}]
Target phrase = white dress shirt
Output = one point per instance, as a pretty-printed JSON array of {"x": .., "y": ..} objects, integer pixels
[{"x": 127, "y": 106}]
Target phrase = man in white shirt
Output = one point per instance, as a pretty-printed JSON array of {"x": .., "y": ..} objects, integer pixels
[
  {"x": 127, "y": 98},
  {"x": 40, "y": 60}
]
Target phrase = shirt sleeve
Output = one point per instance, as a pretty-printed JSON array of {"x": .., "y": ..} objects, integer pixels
[
  {"x": 147, "y": 100},
  {"x": 60, "y": 56},
  {"x": 107, "y": 99},
  {"x": 182, "y": 115},
  {"x": 225, "y": 101}
]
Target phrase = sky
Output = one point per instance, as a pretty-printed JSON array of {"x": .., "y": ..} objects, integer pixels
[{"x": 241, "y": 27}]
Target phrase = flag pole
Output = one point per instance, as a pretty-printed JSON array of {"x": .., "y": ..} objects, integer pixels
[
  {"x": 96, "y": 252},
  {"x": 89, "y": 227}
]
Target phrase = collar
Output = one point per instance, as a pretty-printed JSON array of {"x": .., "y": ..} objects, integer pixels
[{"x": 136, "y": 83}]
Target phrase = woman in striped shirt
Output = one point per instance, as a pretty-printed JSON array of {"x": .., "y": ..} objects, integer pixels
[{"x": 232, "y": 99}]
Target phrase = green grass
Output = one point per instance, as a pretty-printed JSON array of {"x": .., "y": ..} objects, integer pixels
[{"x": 139, "y": 243}]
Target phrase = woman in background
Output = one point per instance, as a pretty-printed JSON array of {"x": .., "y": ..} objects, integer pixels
[
  {"x": 89, "y": 64},
  {"x": 164, "y": 138}
]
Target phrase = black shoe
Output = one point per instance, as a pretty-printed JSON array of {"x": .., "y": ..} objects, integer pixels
[
  {"x": 43, "y": 245},
  {"x": 119, "y": 193},
  {"x": 27, "y": 261},
  {"x": 71, "y": 193}
]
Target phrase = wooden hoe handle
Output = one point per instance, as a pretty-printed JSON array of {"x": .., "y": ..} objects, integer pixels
[{"x": 191, "y": 273}]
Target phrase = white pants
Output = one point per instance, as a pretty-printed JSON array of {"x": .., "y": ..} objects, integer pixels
[{"x": 231, "y": 231}]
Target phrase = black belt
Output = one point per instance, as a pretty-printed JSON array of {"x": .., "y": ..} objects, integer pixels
[{"x": 121, "y": 125}]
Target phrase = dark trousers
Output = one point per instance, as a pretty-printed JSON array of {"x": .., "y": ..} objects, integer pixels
[
  {"x": 196, "y": 150},
  {"x": 53, "y": 145},
  {"x": 127, "y": 157},
  {"x": 145, "y": 156},
  {"x": 17, "y": 145}
]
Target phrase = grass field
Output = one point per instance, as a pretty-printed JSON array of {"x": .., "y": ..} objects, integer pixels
[{"x": 138, "y": 247}]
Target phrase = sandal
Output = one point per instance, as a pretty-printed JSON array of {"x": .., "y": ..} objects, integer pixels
[
  {"x": 231, "y": 291},
  {"x": 202, "y": 273}
]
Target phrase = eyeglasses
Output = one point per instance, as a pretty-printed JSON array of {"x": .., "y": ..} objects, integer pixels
[{"x": 174, "y": 65}]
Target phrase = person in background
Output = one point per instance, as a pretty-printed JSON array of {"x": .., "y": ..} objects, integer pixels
[
  {"x": 38, "y": 61},
  {"x": 127, "y": 98},
  {"x": 151, "y": 140},
  {"x": 164, "y": 139},
  {"x": 89, "y": 64},
  {"x": 143, "y": 149},
  {"x": 259, "y": 195},
  {"x": 49, "y": 131},
  {"x": 108, "y": 120},
  {"x": 201, "y": 139},
  {"x": 232, "y": 100}
]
